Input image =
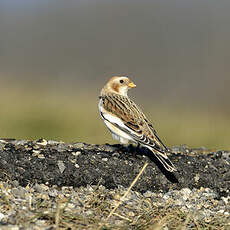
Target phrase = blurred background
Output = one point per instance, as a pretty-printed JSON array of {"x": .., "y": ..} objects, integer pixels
[{"x": 55, "y": 56}]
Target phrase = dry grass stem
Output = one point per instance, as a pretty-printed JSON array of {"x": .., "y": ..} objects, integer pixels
[
  {"x": 57, "y": 216},
  {"x": 127, "y": 192},
  {"x": 122, "y": 217}
]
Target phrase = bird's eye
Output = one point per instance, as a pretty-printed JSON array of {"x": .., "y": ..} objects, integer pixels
[{"x": 121, "y": 81}]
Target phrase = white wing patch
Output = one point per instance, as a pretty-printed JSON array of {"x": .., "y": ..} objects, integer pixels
[
  {"x": 114, "y": 119},
  {"x": 117, "y": 134}
]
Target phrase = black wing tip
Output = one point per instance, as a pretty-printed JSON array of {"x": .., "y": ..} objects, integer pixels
[
  {"x": 171, "y": 169},
  {"x": 168, "y": 165},
  {"x": 165, "y": 161}
]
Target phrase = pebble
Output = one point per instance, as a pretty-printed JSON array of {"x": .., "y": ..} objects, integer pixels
[
  {"x": 77, "y": 166},
  {"x": 21, "y": 142},
  {"x": 61, "y": 147},
  {"x": 225, "y": 199},
  {"x": 147, "y": 194},
  {"x": 41, "y": 156},
  {"x": 73, "y": 160},
  {"x": 19, "y": 192},
  {"x": 45, "y": 187},
  {"x": 36, "y": 152},
  {"x": 76, "y": 153},
  {"x": 221, "y": 211},
  {"x": 116, "y": 154},
  {"x": 197, "y": 178},
  {"x": 176, "y": 148},
  {"x": 42, "y": 142},
  {"x": 52, "y": 142},
  {"x": 38, "y": 188},
  {"x": 89, "y": 213},
  {"x": 36, "y": 147},
  {"x": 78, "y": 145},
  {"x": 15, "y": 183},
  {"x": 53, "y": 193},
  {"x": 61, "y": 166},
  {"x": 1, "y": 216},
  {"x": 186, "y": 193},
  {"x": 108, "y": 148},
  {"x": 131, "y": 214}
]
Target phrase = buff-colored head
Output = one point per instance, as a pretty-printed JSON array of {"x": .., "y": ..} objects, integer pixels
[{"x": 119, "y": 85}]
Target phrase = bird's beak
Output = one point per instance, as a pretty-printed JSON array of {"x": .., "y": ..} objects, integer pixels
[{"x": 131, "y": 85}]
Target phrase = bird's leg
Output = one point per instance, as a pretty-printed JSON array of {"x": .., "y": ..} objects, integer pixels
[{"x": 134, "y": 147}]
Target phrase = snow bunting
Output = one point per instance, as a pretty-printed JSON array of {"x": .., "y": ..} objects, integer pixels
[{"x": 126, "y": 121}]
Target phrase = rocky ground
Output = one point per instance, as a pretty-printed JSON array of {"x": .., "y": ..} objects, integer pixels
[{"x": 49, "y": 184}]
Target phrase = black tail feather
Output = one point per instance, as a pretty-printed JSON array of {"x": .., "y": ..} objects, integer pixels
[
  {"x": 164, "y": 160},
  {"x": 168, "y": 165}
]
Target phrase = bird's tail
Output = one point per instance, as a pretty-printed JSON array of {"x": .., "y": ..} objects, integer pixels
[{"x": 162, "y": 157}]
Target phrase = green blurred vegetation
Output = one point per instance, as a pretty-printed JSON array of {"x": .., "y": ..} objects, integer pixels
[{"x": 75, "y": 118}]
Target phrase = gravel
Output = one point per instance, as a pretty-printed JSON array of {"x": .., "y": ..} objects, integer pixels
[{"x": 36, "y": 206}]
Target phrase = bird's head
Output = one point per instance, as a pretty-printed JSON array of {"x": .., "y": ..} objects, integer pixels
[{"x": 119, "y": 85}]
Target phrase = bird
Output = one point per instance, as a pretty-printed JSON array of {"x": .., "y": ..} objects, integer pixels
[{"x": 126, "y": 121}]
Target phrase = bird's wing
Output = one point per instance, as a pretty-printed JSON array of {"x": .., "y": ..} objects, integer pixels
[{"x": 128, "y": 117}]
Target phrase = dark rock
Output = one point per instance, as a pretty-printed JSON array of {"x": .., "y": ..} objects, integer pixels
[{"x": 111, "y": 166}]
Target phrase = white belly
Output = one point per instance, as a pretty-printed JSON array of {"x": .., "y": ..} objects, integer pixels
[{"x": 117, "y": 134}]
